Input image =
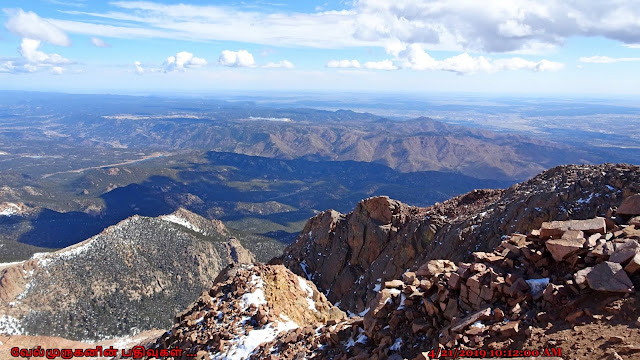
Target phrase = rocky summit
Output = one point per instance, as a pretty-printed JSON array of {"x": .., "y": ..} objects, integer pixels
[
  {"x": 526, "y": 294},
  {"x": 248, "y": 306},
  {"x": 131, "y": 277},
  {"x": 350, "y": 256}
]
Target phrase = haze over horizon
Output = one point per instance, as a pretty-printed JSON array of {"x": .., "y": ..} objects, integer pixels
[{"x": 492, "y": 47}]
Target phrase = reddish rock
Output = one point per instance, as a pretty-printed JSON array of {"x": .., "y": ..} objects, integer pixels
[
  {"x": 625, "y": 251},
  {"x": 609, "y": 276},
  {"x": 483, "y": 314},
  {"x": 393, "y": 284},
  {"x": 632, "y": 232},
  {"x": 557, "y": 228},
  {"x": 634, "y": 264},
  {"x": 454, "y": 281},
  {"x": 436, "y": 267},
  {"x": 561, "y": 249},
  {"x": 409, "y": 277},
  {"x": 630, "y": 206},
  {"x": 510, "y": 329}
]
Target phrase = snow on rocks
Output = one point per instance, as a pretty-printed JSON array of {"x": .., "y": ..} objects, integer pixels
[{"x": 248, "y": 306}]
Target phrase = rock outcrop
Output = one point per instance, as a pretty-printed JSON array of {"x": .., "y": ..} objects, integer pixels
[
  {"x": 249, "y": 305},
  {"x": 131, "y": 277},
  {"x": 348, "y": 256},
  {"x": 497, "y": 301}
]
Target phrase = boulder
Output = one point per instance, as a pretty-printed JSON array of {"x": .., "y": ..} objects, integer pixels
[
  {"x": 630, "y": 206},
  {"x": 563, "y": 248},
  {"x": 510, "y": 329},
  {"x": 557, "y": 228},
  {"x": 609, "y": 276},
  {"x": 436, "y": 267},
  {"x": 625, "y": 251}
]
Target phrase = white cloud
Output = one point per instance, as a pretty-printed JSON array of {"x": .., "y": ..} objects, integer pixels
[
  {"x": 30, "y": 25},
  {"x": 495, "y": 25},
  {"x": 415, "y": 58},
  {"x": 380, "y": 65},
  {"x": 240, "y": 58},
  {"x": 285, "y": 64},
  {"x": 57, "y": 70},
  {"x": 34, "y": 60},
  {"x": 182, "y": 61},
  {"x": 139, "y": 68},
  {"x": 633, "y": 46},
  {"x": 344, "y": 64},
  {"x": 606, "y": 59},
  {"x": 99, "y": 42},
  {"x": 490, "y": 26},
  {"x": 29, "y": 51}
]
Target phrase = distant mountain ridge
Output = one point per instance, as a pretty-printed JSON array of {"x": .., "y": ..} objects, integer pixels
[{"x": 420, "y": 144}]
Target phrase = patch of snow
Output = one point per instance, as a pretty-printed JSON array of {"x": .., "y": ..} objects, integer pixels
[
  {"x": 394, "y": 292},
  {"x": 11, "y": 209},
  {"x": 396, "y": 345},
  {"x": 305, "y": 269},
  {"x": 587, "y": 200},
  {"x": 3, "y": 265},
  {"x": 362, "y": 339},
  {"x": 257, "y": 296},
  {"x": 180, "y": 221},
  {"x": 609, "y": 187},
  {"x": 402, "y": 299},
  {"x": 364, "y": 312},
  {"x": 478, "y": 324},
  {"x": 307, "y": 289},
  {"x": 10, "y": 325},
  {"x": 537, "y": 285},
  {"x": 242, "y": 347}
]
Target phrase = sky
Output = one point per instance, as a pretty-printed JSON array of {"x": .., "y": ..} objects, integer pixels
[{"x": 573, "y": 47}]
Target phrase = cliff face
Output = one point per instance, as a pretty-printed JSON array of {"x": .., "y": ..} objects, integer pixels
[
  {"x": 131, "y": 277},
  {"x": 348, "y": 256}
]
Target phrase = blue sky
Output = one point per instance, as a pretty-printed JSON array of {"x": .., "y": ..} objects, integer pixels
[{"x": 492, "y": 46}]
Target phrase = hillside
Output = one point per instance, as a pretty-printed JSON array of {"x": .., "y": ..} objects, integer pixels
[{"x": 131, "y": 277}]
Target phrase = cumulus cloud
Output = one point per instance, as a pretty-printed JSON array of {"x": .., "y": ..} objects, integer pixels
[
  {"x": 30, "y": 25},
  {"x": 606, "y": 59},
  {"x": 380, "y": 65},
  {"x": 344, "y": 64},
  {"x": 29, "y": 51},
  {"x": 240, "y": 58},
  {"x": 34, "y": 60},
  {"x": 414, "y": 57},
  {"x": 495, "y": 25},
  {"x": 99, "y": 42},
  {"x": 182, "y": 61},
  {"x": 139, "y": 68},
  {"x": 284, "y": 64}
]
